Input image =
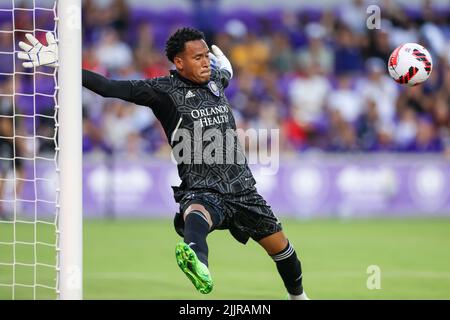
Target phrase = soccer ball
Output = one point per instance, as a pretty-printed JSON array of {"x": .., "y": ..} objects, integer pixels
[{"x": 410, "y": 64}]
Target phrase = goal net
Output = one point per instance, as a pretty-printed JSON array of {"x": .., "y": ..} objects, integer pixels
[{"x": 30, "y": 197}]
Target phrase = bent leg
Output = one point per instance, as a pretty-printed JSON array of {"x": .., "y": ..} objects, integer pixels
[
  {"x": 197, "y": 223},
  {"x": 288, "y": 265},
  {"x": 192, "y": 253},
  {"x": 274, "y": 243}
]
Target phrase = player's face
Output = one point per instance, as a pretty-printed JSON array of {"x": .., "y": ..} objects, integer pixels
[{"x": 193, "y": 63}]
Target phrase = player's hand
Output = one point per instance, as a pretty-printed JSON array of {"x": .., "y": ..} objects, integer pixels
[
  {"x": 219, "y": 60},
  {"x": 37, "y": 54}
]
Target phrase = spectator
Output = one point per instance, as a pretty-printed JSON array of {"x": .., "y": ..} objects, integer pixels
[
  {"x": 406, "y": 129},
  {"x": 320, "y": 76},
  {"x": 347, "y": 53},
  {"x": 112, "y": 53},
  {"x": 282, "y": 58},
  {"x": 308, "y": 109},
  {"x": 344, "y": 100},
  {"x": 379, "y": 89},
  {"x": 426, "y": 139},
  {"x": 316, "y": 52},
  {"x": 251, "y": 55}
]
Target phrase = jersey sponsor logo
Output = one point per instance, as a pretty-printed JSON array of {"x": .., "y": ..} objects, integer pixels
[{"x": 211, "y": 116}]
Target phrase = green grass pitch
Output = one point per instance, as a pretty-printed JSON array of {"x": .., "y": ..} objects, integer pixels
[{"x": 134, "y": 259}]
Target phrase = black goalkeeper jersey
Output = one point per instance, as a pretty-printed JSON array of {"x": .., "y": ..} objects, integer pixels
[{"x": 198, "y": 124}]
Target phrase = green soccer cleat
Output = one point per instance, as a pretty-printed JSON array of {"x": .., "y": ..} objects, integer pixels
[{"x": 194, "y": 269}]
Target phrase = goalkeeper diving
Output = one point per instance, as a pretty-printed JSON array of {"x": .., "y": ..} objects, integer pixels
[{"x": 212, "y": 194}]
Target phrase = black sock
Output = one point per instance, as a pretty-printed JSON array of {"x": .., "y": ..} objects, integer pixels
[
  {"x": 196, "y": 229},
  {"x": 290, "y": 269}
]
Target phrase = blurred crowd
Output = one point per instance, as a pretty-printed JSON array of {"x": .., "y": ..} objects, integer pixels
[{"x": 317, "y": 74}]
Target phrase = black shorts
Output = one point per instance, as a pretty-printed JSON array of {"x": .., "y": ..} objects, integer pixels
[{"x": 246, "y": 214}]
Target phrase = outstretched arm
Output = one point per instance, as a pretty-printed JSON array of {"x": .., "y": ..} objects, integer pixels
[
  {"x": 36, "y": 54},
  {"x": 106, "y": 87}
]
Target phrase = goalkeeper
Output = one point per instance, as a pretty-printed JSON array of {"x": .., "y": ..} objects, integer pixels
[{"x": 211, "y": 195}]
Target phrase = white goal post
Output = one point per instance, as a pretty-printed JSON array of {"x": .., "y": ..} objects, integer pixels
[
  {"x": 70, "y": 153},
  {"x": 41, "y": 155}
]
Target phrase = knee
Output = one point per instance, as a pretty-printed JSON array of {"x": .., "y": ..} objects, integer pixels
[
  {"x": 274, "y": 243},
  {"x": 286, "y": 254},
  {"x": 199, "y": 210}
]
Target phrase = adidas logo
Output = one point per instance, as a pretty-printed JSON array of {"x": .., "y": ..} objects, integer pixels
[{"x": 189, "y": 94}]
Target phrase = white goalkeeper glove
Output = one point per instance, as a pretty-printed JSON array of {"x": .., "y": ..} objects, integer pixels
[
  {"x": 219, "y": 60},
  {"x": 37, "y": 54}
]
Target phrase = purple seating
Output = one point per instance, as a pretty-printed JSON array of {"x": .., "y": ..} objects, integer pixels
[
  {"x": 5, "y": 17},
  {"x": 44, "y": 20},
  {"x": 311, "y": 14},
  {"x": 6, "y": 5},
  {"x": 6, "y": 62},
  {"x": 248, "y": 17}
]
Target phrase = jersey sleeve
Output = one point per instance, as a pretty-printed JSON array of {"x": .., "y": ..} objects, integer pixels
[
  {"x": 106, "y": 87},
  {"x": 143, "y": 93},
  {"x": 140, "y": 92},
  {"x": 153, "y": 94}
]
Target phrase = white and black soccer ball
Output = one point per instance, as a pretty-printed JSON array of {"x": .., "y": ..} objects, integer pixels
[{"x": 410, "y": 64}]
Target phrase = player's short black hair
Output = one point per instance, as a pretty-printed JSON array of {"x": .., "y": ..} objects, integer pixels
[{"x": 176, "y": 42}]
